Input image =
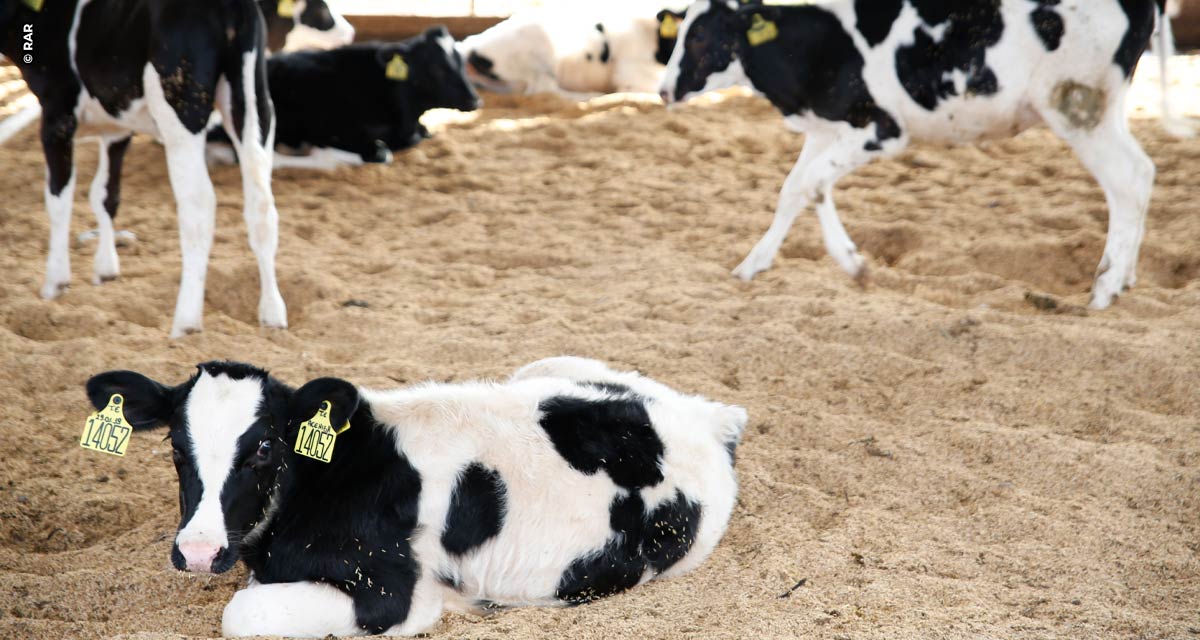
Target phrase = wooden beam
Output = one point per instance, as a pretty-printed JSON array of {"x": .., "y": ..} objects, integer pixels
[
  {"x": 1187, "y": 25},
  {"x": 378, "y": 27}
]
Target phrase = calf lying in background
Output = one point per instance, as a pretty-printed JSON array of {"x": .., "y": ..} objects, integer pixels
[
  {"x": 863, "y": 78},
  {"x": 567, "y": 483},
  {"x": 113, "y": 67},
  {"x": 563, "y": 52},
  {"x": 359, "y": 103}
]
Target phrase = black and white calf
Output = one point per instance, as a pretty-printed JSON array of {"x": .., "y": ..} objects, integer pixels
[
  {"x": 113, "y": 67},
  {"x": 567, "y": 483},
  {"x": 297, "y": 25},
  {"x": 569, "y": 53},
  {"x": 863, "y": 78},
  {"x": 359, "y": 103}
]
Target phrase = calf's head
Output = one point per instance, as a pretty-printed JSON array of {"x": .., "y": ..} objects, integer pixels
[
  {"x": 229, "y": 427},
  {"x": 430, "y": 68},
  {"x": 706, "y": 55}
]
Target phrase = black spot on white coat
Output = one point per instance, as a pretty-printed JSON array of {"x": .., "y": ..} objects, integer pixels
[
  {"x": 641, "y": 540},
  {"x": 874, "y": 18},
  {"x": 611, "y": 434},
  {"x": 926, "y": 67},
  {"x": 477, "y": 509},
  {"x": 1048, "y": 23}
]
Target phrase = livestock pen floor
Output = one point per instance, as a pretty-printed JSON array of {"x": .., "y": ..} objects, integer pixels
[{"x": 935, "y": 456}]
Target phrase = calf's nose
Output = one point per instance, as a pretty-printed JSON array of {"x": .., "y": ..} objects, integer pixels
[
  {"x": 199, "y": 556},
  {"x": 665, "y": 95}
]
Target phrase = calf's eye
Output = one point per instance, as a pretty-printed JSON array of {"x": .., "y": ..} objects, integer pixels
[{"x": 264, "y": 451}]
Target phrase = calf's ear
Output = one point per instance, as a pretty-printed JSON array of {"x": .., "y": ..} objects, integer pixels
[
  {"x": 306, "y": 401},
  {"x": 147, "y": 404}
]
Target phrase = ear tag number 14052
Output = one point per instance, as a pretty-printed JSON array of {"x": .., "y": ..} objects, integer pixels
[
  {"x": 317, "y": 437},
  {"x": 107, "y": 431}
]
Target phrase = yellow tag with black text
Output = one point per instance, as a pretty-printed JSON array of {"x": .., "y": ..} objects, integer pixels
[
  {"x": 669, "y": 28},
  {"x": 761, "y": 30},
  {"x": 397, "y": 68},
  {"x": 107, "y": 431},
  {"x": 286, "y": 8},
  {"x": 317, "y": 437}
]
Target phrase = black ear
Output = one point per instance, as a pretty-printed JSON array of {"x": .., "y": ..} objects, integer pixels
[
  {"x": 748, "y": 10},
  {"x": 435, "y": 32},
  {"x": 148, "y": 404},
  {"x": 342, "y": 397},
  {"x": 383, "y": 55}
]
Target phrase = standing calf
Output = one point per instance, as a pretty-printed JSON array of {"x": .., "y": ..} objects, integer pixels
[
  {"x": 112, "y": 67},
  {"x": 863, "y": 78},
  {"x": 567, "y": 483}
]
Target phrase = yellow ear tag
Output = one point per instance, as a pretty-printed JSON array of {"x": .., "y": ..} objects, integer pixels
[
  {"x": 669, "y": 27},
  {"x": 317, "y": 437},
  {"x": 286, "y": 8},
  {"x": 397, "y": 68},
  {"x": 107, "y": 431},
  {"x": 761, "y": 30},
  {"x": 35, "y": 5}
]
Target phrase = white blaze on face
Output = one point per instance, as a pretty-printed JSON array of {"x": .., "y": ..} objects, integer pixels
[
  {"x": 447, "y": 44},
  {"x": 218, "y": 411}
]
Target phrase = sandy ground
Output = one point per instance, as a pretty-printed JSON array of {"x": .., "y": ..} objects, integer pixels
[{"x": 935, "y": 456}]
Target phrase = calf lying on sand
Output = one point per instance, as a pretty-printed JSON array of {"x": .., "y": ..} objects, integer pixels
[
  {"x": 567, "y": 483},
  {"x": 359, "y": 103}
]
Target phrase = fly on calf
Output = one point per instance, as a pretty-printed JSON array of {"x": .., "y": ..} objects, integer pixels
[{"x": 363, "y": 511}]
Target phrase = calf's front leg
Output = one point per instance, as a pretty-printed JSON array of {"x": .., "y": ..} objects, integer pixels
[{"x": 290, "y": 609}]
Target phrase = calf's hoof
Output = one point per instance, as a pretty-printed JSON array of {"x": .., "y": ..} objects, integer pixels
[
  {"x": 52, "y": 290},
  {"x": 272, "y": 312},
  {"x": 179, "y": 330},
  {"x": 751, "y": 267}
]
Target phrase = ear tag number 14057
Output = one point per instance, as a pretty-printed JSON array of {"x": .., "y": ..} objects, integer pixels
[
  {"x": 317, "y": 437},
  {"x": 107, "y": 431}
]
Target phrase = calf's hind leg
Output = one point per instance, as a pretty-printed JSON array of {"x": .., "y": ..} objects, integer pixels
[
  {"x": 1095, "y": 127},
  {"x": 105, "y": 196}
]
